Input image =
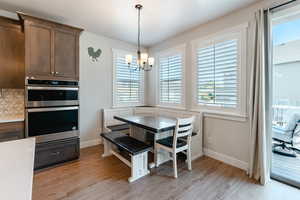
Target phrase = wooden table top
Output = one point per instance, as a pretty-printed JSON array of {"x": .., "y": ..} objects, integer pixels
[{"x": 154, "y": 124}]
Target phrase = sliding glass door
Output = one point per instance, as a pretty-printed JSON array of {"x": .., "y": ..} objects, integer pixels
[{"x": 286, "y": 95}]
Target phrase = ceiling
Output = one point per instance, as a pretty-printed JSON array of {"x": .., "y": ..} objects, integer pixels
[{"x": 117, "y": 19}]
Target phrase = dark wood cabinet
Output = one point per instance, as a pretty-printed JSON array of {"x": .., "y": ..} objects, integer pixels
[
  {"x": 38, "y": 49},
  {"x": 65, "y": 54},
  {"x": 55, "y": 152},
  {"x": 51, "y": 49},
  {"x": 11, "y": 131},
  {"x": 11, "y": 54}
]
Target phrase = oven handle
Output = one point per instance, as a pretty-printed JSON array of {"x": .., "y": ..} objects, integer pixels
[
  {"x": 52, "y": 88},
  {"x": 52, "y": 109}
]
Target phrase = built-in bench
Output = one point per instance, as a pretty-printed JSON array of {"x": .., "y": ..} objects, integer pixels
[
  {"x": 110, "y": 124},
  {"x": 116, "y": 143}
]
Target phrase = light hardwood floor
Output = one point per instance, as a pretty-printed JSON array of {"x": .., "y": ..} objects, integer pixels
[{"x": 95, "y": 178}]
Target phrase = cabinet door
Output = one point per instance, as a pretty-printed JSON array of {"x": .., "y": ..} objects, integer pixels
[
  {"x": 11, "y": 54},
  {"x": 38, "y": 50},
  {"x": 65, "y": 54}
]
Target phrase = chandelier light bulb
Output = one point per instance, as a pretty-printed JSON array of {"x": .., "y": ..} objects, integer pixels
[
  {"x": 151, "y": 61},
  {"x": 128, "y": 59}
]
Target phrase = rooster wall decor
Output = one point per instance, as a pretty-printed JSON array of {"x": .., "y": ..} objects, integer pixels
[{"x": 94, "y": 55}]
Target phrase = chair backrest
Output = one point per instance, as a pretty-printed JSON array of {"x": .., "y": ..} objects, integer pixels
[{"x": 184, "y": 127}]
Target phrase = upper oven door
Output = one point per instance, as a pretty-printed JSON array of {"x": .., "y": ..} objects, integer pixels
[{"x": 51, "y": 96}]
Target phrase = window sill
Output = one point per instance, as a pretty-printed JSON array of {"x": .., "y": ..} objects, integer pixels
[
  {"x": 171, "y": 107},
  {"x": 222, "y": 115}
]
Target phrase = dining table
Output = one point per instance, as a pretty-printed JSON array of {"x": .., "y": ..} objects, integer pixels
[{"x": 157, "y": 126}]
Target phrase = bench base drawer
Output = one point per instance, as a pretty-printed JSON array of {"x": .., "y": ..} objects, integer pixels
[{"x": 55, "y": 152}]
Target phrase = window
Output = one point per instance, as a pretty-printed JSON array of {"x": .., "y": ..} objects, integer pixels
[
  {"x": 128, "y": 83},
  {"x": 217, "y": 66},
  {"x": 219, "y": 72},
  {"x": 171, "y": 78}
]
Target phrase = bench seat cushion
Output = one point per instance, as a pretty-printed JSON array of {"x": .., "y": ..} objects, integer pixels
[
  {"x": 126, "y": 143},
  {"x": 119, "y": 127},
  {"x": 169, "y": 142}
]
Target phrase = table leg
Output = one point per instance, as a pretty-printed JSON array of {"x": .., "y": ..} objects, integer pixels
[
  {"x": 139, "y": 166},
  {"x": 130, "y": 130},
  {"x": 138, "y": 133},
  {"x": 160, "y": 156}
]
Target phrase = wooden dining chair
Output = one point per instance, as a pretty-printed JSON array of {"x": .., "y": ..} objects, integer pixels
[{"x": 179, "y": 142}]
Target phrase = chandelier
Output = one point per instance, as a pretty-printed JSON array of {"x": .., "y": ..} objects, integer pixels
[{"x": 143, "y": 61}]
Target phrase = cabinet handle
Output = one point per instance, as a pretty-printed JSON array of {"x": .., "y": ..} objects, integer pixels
[{"x": 55, "y": 153}]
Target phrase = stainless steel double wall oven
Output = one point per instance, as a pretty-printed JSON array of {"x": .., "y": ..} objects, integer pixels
[{"x": 52, "y": 109}]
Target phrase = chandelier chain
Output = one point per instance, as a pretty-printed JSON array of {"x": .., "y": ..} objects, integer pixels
[{"x": 139, "y": 29}]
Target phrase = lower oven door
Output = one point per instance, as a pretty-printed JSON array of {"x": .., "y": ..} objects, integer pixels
[{"x": 48, "y": 124}]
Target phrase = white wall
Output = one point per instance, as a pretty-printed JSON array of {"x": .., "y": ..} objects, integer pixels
[
  {"x": 96, "y": 83},
  {"x": 223, "y": 137}
]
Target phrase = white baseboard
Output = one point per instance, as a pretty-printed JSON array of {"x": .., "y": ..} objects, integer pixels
[
  {"x": 194, "y": 157},
  {"x": 89, "y": 143},
  {"x": 226, "y": 159}
]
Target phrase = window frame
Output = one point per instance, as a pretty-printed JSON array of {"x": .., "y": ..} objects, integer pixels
[
  {"x": 115, "y": 103},
  {"x": 180, "y": 49},
  {"x": 239, "y": 33}
]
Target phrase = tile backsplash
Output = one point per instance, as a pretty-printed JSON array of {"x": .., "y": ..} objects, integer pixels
[{"x": 11, "y": 102}]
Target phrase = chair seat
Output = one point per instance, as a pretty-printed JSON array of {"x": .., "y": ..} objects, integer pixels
[{"x": 169, "y": 142}]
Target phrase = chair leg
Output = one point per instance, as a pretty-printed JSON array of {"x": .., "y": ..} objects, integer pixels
[
  {"x": 189, "y": 158},
  {"x": 175, "y": 164}
]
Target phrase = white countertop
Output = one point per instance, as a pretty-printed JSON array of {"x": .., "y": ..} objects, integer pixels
[{"x": 11, "y": 118}]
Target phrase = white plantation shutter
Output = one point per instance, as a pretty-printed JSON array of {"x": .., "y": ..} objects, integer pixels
[
  {"x": 217, "y": 67},
  {"x": 170, "y": 79},
  {"x": 128, "y": 82}
]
